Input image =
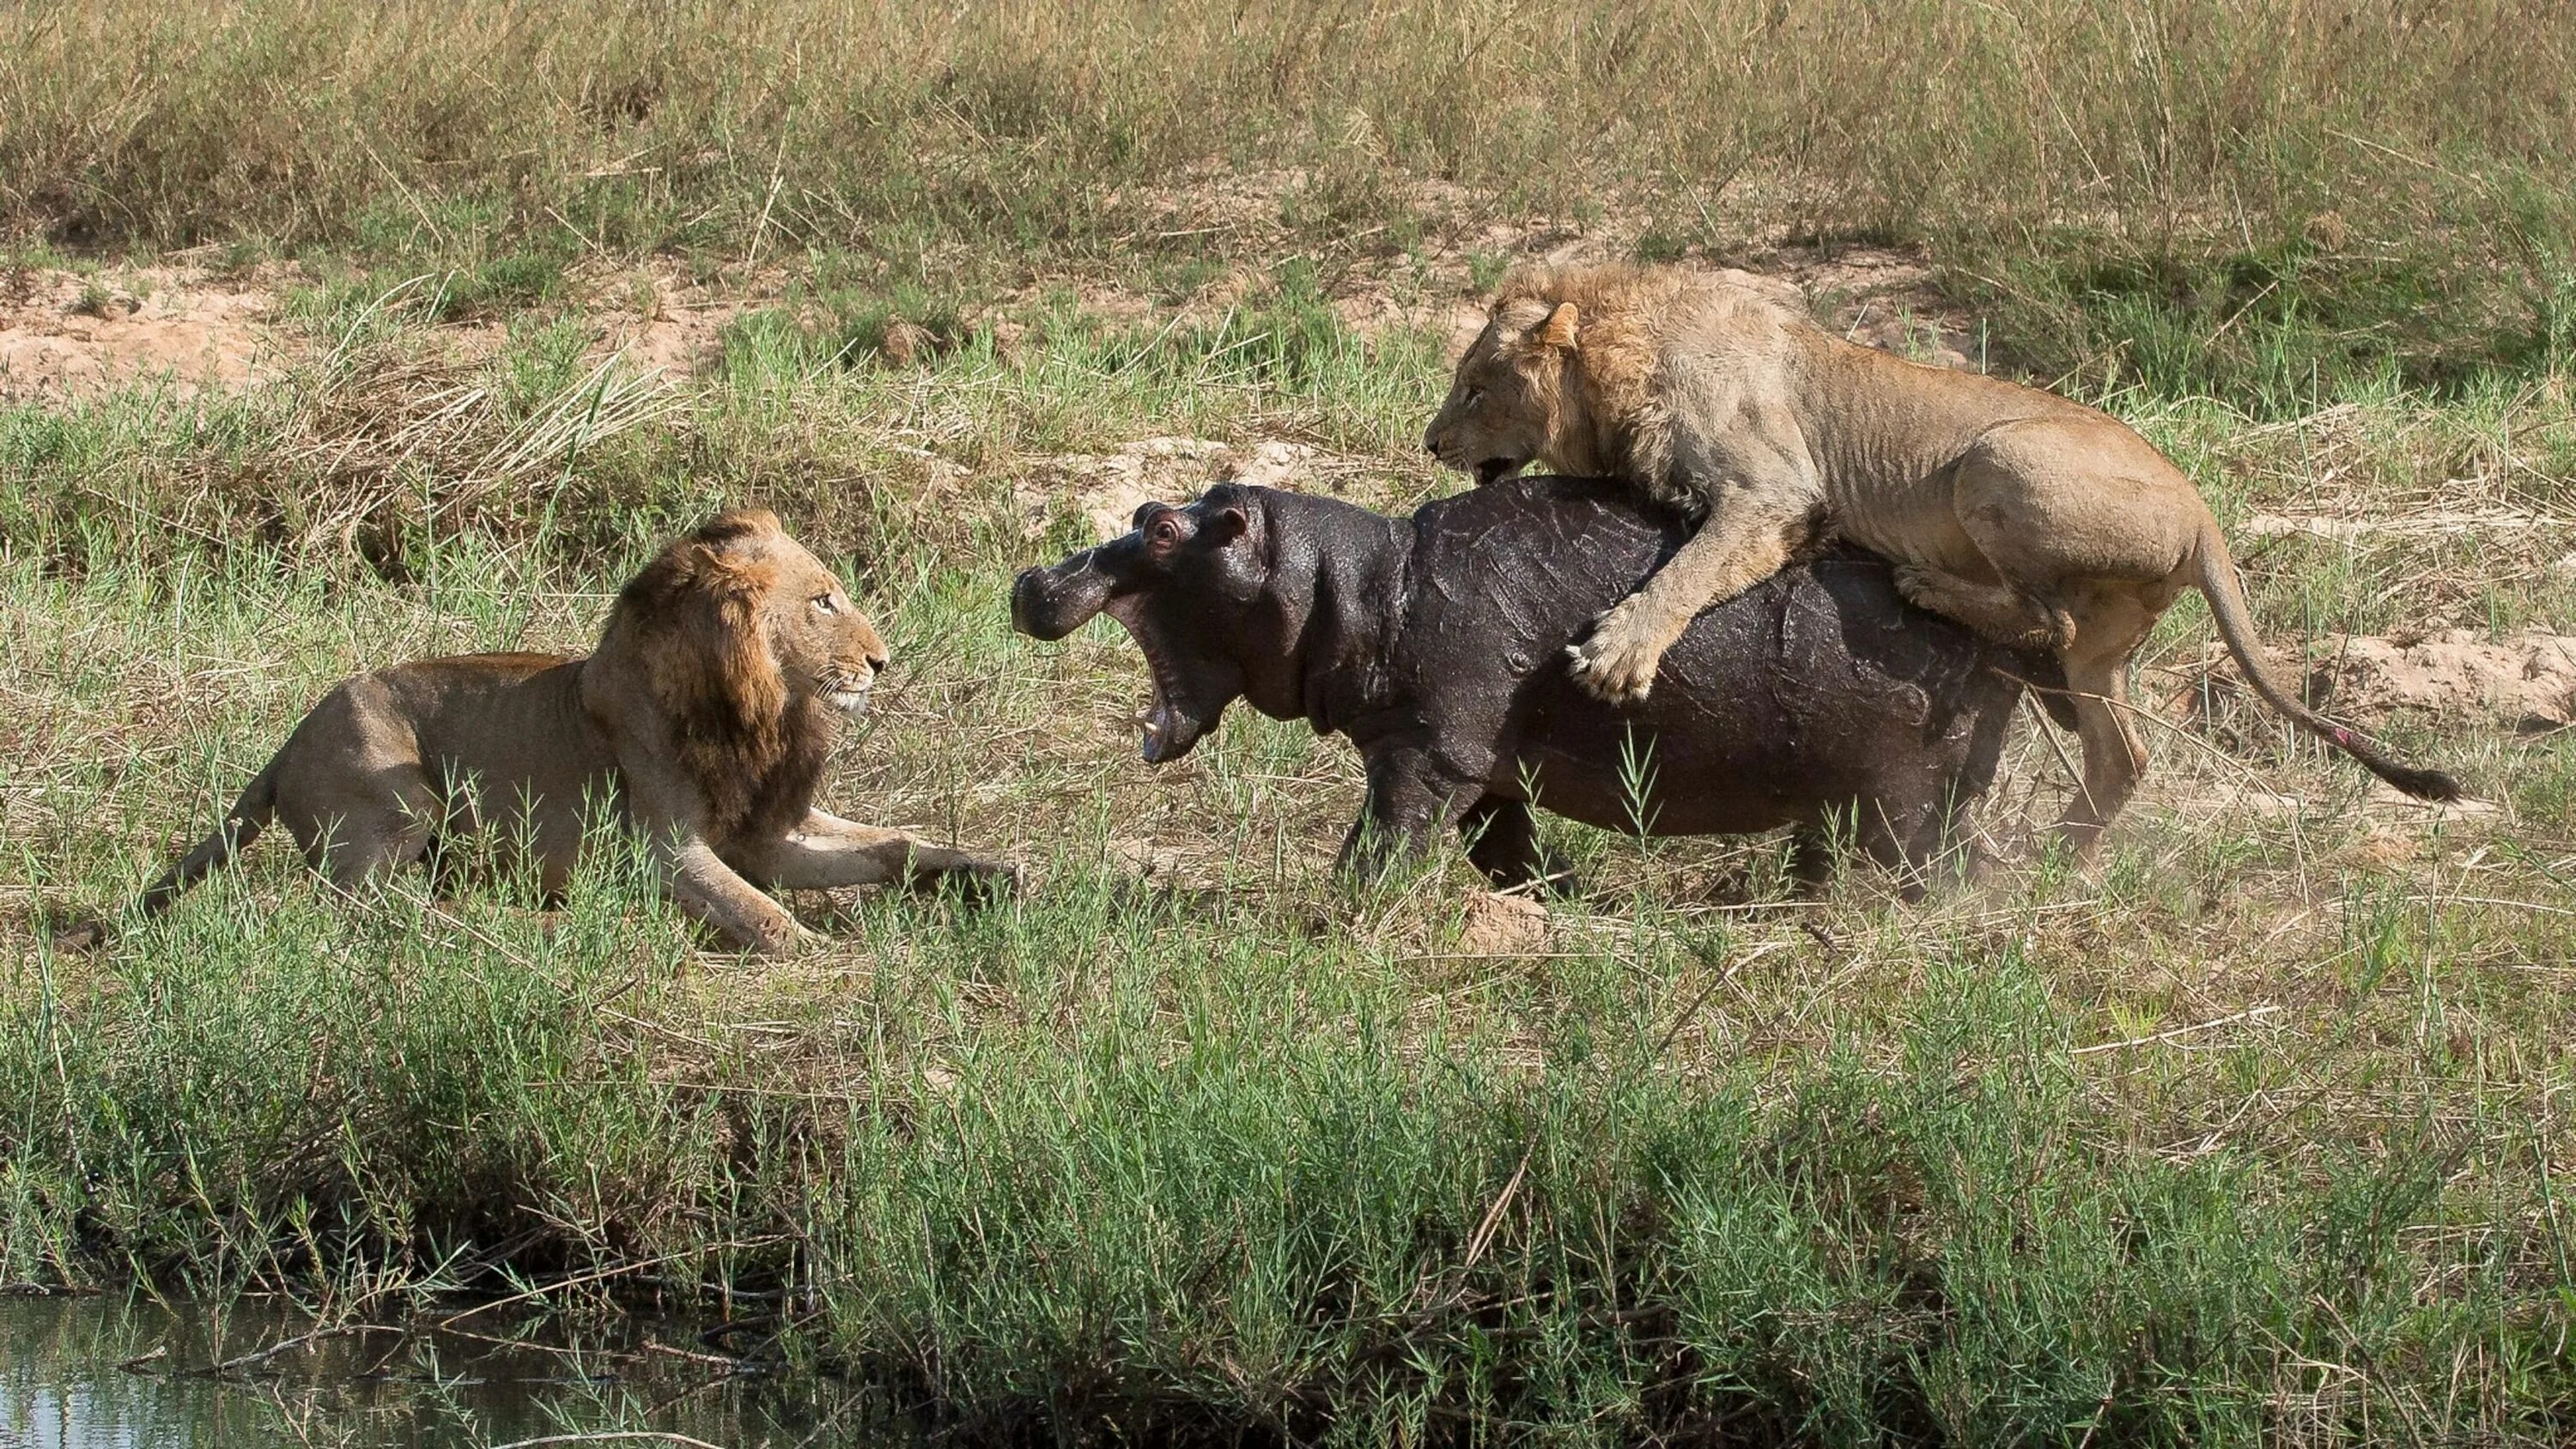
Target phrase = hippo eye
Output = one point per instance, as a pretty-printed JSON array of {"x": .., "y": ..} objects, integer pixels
[
  {"x": 823, "y": 602},
  {"x": 1165, "y": 530}
]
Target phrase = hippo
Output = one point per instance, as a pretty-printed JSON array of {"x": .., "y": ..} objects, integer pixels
[{"x": 1437, "y": 644}]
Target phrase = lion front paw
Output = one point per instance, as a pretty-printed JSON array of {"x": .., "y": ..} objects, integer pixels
[{"x": 1618, "y": 662}]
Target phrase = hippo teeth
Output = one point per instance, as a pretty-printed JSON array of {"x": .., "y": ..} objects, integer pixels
[{"x": 1158, "y": 732}]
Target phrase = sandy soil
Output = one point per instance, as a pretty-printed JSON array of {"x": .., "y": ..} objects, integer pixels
[{"x": 63, "y": 335}]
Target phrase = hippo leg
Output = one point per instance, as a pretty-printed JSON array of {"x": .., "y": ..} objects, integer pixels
[
  {"x": 1410, "y": 799},
  {"x": 1502, "y": 841},
  {"x": 1904, "y": 838}
]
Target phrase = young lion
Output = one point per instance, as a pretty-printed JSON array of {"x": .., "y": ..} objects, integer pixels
[
  {"x": 702, "y": 723},
  {"x": 2032, "y": 519}
]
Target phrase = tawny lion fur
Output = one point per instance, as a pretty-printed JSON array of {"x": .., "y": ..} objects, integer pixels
[
  {"x": 2030, "y": 518},
  {"x": 701, "y": 723}
]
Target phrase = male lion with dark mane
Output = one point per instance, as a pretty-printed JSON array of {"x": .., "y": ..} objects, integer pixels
[
  {"x": 2032, "y": 519},
  {"x": 702, "y": 723}
]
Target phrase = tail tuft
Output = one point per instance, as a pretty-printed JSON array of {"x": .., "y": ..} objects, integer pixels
[
  {"x": 2420, "y": 783},
  {"x": 2227, "y": 607}
]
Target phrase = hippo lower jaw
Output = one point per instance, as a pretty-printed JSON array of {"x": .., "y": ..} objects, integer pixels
[
  {"x": 1165, "y": 737},
  {"x": 1167, "y": 730}
]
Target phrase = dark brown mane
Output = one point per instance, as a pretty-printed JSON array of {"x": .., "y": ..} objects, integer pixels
[{"x": 693, "y": 619}]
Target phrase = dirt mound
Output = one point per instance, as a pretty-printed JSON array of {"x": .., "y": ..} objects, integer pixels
[
  {"x": 1501, "y": 925},
  {"x": 661, "y": 319},
  {"x": 63, "y": 335},
  {"x": 2527, "y": 680},
  {"x": 1106, "y": 488}
]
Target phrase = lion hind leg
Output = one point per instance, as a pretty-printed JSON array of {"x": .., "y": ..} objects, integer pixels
[
  {"x": 353, "y": 836},
  {"x": 1998, "y": 611},
  {"x": 2097, "y": 675}
]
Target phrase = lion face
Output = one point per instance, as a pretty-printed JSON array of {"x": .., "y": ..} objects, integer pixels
[
  {"x": 1508, "y": 400},
  {"x": 824, "y": 647},
  {"x": 737, "y": 622}
]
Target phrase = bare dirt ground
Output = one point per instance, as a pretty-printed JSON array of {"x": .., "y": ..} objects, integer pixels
[
  {"x": 2524, "y": 681},
  {"x": 67, "y": 335},
  {"x": 64, "y": 335},
  {"x": 1107, "y": 488}
]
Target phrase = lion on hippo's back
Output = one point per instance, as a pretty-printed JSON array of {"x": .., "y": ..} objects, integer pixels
[{"x": 2033, "y": 519}]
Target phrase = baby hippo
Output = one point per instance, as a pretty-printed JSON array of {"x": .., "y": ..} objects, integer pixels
[{"x": 1437, "y": 644}]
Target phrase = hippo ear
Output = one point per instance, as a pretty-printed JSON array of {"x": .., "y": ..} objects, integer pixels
[
  {"x": 1225, "y": 525},
  {"x": 1558, "y": 329}
]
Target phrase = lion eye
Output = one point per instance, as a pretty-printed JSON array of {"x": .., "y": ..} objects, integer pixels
[
  {"x": 824, "y": 603},
  {"x": 1475, "y": 396}
]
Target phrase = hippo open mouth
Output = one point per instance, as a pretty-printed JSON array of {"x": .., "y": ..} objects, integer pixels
[
  {"x": 1171, "y": 724},
  {"x": 1052, "y": 603}
]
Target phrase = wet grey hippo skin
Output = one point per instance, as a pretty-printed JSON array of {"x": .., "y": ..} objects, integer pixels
[{"x": 1436, "y": 644}]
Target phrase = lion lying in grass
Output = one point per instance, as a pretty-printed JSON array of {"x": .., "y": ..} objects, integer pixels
[
  {"x": 2034, "y": 520},
  {"x": 702, "y": 723}
]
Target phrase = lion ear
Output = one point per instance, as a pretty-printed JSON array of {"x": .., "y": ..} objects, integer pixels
[{"x": 1558, "y": 329}]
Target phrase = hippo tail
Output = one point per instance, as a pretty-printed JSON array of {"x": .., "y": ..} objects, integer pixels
[{"x": 2218, "y": 583}]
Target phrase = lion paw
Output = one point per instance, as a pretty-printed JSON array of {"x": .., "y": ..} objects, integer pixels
[
  {"x": 1617, "y": 664},
  {"x": 1918, "y": 586}
]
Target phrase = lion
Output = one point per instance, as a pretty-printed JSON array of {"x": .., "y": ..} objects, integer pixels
[
  {"x": 2032, "y": 519},
  {"x": 702, "y": 723}
]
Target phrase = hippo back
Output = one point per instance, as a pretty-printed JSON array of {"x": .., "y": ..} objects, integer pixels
[{"x": 1818, "y": 684}]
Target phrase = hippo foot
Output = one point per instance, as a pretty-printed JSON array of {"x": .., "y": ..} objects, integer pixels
[{"x": 1617, "y": 664}]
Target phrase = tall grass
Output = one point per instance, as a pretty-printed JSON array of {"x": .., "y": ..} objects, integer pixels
[
  {"x": 2248, "y": 1138},
  {"x": 2259, "y": 1134},
  {"x": 1108, "y": 1163},
  {"x": 2335, "y": 181}
]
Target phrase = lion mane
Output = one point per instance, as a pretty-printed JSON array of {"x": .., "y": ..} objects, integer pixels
[{"x": 706, "y": 716}]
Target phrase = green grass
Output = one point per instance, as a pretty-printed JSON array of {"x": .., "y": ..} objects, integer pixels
[
  {"x": 2241, "y": 1139},
  {"x": 2342, "y": 188},
  {"x": 2258, "y": 1134}
]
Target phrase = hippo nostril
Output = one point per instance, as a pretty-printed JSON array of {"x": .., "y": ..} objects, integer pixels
[{"x": 1431, "y": 447}]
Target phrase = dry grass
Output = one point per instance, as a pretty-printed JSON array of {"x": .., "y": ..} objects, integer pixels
[
  {"x": 2261, "y": 1132},
  {"x": 2239, "y": 192}
]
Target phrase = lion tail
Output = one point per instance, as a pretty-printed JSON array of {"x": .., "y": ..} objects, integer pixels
[
  {"x": 241, "y": 825},
  {"x": 2236, "y": 626}
]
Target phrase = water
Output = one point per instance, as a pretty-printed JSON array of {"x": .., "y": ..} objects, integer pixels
[{"x": 109, "y": 1373}]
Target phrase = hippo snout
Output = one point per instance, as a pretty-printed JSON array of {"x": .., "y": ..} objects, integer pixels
[{"x": 1049, "y": 603}]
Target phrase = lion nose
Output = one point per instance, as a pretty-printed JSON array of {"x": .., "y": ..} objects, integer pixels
[{"x": 877, "y": 662}]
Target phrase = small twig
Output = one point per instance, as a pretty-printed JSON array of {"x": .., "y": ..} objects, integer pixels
[
  {"x": 285, "y": 1345},
  {"x": 1484, "y": 1234},
  {"x": 2249, "y": 1014},
  {"x": 619, "y": 1271},
  {"x": 613, "y": 1436}
]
